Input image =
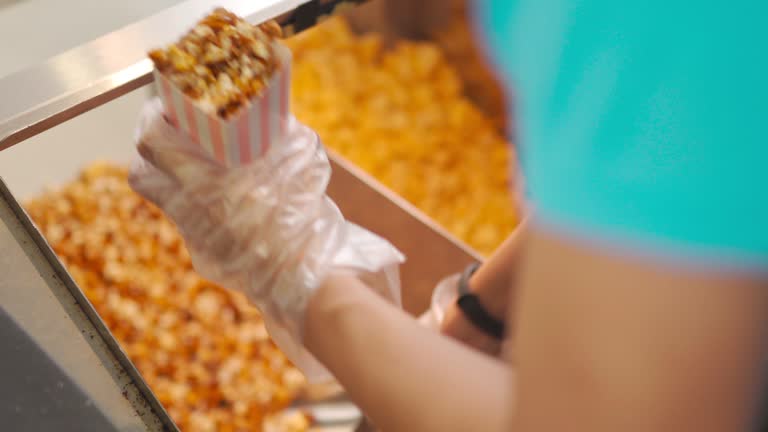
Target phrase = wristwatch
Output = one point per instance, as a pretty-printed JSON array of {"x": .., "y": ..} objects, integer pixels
[{"x": 473, "y": 310}]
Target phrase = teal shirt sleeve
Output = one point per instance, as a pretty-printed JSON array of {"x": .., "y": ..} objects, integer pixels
[{"x": 642, "y": 123}]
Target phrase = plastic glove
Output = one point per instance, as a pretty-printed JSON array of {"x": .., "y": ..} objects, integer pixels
[{"x": 267, "y": 229}]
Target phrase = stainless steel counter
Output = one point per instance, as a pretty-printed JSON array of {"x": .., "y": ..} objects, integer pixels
[{"x": 61, "y": 365}]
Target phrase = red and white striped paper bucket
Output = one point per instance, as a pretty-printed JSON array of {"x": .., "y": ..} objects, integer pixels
[{"x": 247, "y": 135}]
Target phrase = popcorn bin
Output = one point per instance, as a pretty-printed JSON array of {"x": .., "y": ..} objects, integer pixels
[{"x": 111, "y": 274}]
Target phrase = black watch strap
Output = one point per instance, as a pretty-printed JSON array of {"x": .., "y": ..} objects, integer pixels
[{"x": 470, "y": 305}]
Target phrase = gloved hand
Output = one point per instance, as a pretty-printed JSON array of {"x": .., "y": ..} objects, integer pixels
[{"x": 267, "y": 229}]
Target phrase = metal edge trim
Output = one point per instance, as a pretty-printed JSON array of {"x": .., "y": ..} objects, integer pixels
[
  {"x": 87, "y": 307},
  {"x": 115, "y": 76}
]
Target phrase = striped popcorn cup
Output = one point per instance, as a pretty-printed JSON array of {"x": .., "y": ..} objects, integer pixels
[{"x": 247, "y": 135}]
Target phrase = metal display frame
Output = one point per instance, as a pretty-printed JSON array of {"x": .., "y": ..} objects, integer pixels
[{"x": 112, "y": 65}]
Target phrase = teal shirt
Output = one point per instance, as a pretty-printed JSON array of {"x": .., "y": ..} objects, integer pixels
[{"x": 642, "y": 123}]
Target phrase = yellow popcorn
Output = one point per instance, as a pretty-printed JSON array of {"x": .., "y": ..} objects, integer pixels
[{"x": 401, "y": 115}]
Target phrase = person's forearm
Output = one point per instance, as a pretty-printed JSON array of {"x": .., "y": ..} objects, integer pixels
[
  {"x": 494, "y": 287},
  {"x": 492, "y": 282},
  {"x": 403, "y": 376}
]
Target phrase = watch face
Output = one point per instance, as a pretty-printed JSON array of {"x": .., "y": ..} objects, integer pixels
[{"x": 37, "y": 395}]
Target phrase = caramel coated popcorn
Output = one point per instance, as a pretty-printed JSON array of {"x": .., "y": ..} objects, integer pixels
[
  {"x": 402, "y": 115},
  {"x": 222, "y": 62},
  {"x": 202, "y": 349},
  {"x": 461, "y": 47}
]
